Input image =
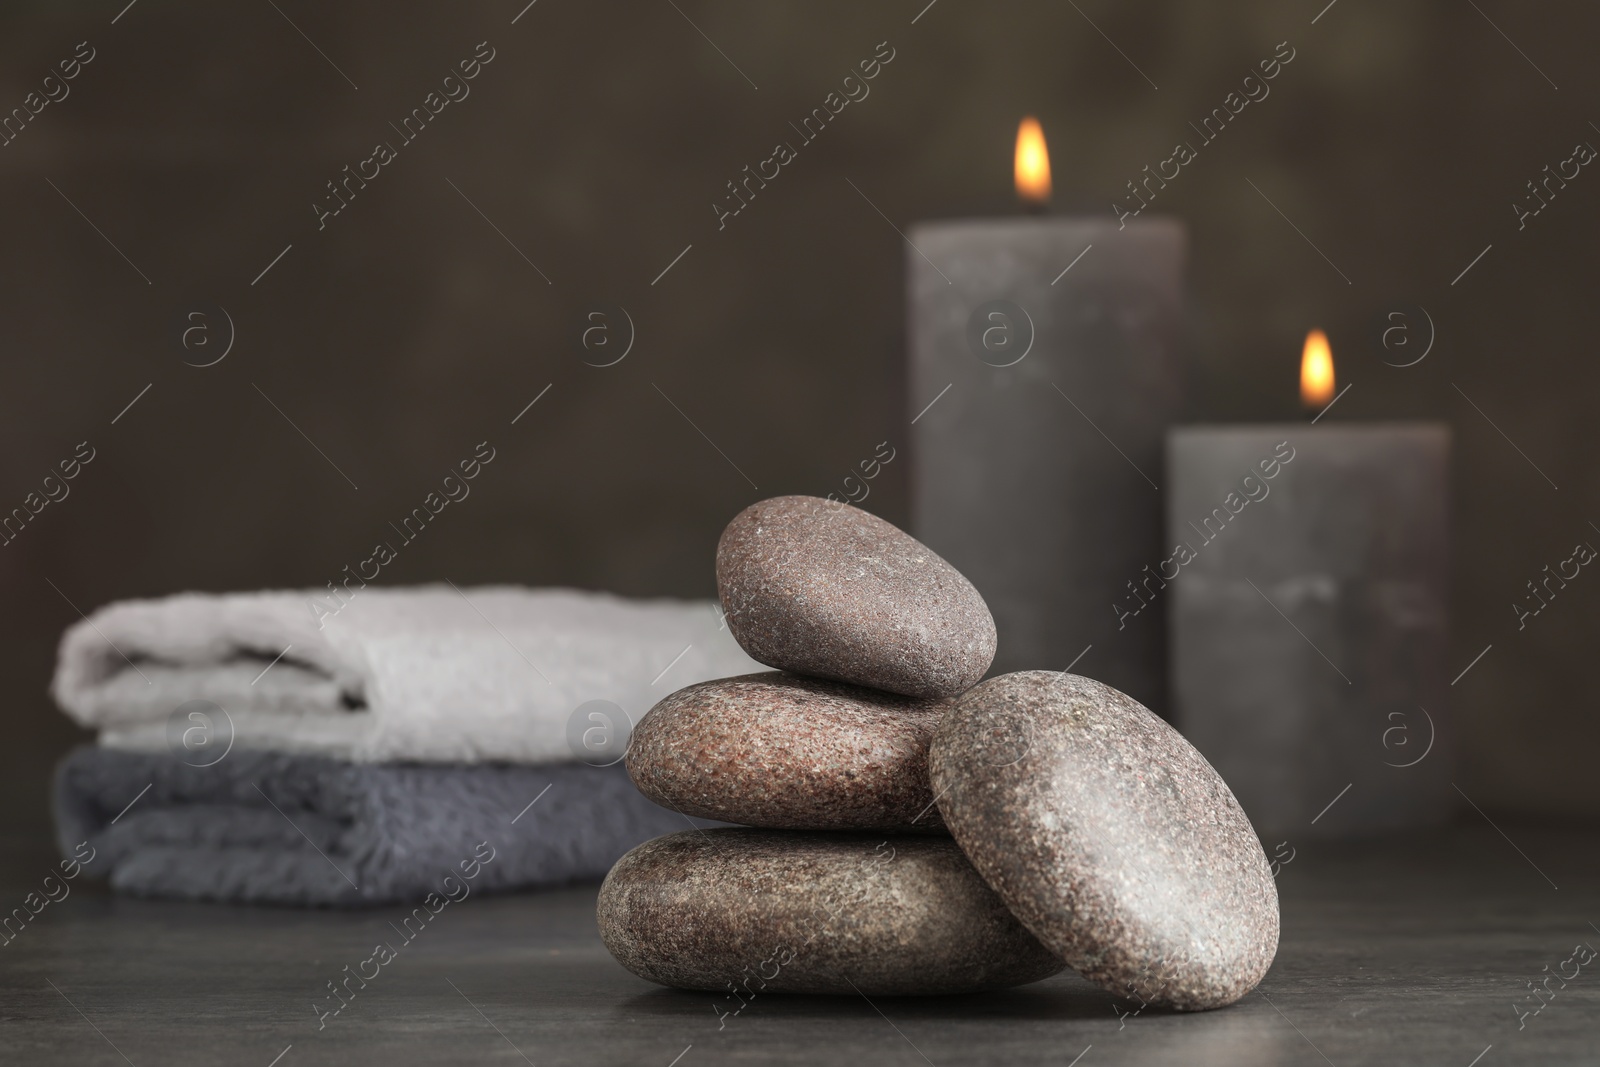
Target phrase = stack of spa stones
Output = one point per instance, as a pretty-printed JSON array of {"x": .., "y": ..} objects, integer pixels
[{"x": 911, "y": 830}]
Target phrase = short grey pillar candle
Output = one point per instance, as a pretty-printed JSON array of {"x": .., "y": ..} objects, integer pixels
[
  {"x": 1049, "y": 350},
  {"x": 1307, "y": 576}
]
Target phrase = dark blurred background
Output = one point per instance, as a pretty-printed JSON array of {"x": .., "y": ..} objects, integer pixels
[{"x": 408, "y": 329}]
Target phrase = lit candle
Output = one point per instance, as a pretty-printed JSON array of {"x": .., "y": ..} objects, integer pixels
[
  {"x": 1308, "y": 582},
  {"x": 1316, "y": 371},
  {"x": 1045, "y": 368},
  {"x": 1030, "y": 166}
]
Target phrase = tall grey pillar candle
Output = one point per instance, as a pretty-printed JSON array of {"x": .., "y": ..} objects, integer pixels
[
  {"x": 1307, "y": 575},
  {"x": 1050, "y": 352}
]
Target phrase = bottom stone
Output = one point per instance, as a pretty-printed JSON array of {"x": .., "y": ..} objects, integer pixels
[{"x": 745, "y": 912}]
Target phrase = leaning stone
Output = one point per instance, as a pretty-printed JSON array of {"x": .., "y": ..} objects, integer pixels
[{"x": 1109, "y": 836}]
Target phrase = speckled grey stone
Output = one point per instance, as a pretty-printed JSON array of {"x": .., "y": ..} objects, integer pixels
[
  {"x": 782, "y": 751},
  {"x": 822, "y": 588},
  {"x": 1109, "y": 836},
  {"x": 749, "y": 912}
]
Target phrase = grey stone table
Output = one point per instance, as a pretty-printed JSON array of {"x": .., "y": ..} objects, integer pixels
[{"x": 1408, "y": 950}]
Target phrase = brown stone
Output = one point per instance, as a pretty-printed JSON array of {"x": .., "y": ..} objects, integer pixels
[
  {"x": 744, "y": 913},
  {"x": 822, "y": 588},
  {"x": 779, "y": 750},
  {"x": 1109, "y": 837}
]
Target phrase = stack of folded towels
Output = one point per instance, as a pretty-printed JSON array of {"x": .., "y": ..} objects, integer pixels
[{"x": 255, "y": 748}]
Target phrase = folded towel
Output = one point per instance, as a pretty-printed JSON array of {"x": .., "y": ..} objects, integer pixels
[
  {"x": 264, "y": 827},
  {"x": 429, "y": 673}
]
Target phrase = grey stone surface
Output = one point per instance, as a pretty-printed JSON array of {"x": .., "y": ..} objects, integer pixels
[
  {"x": 1109, "y": 836},
  {"x": 779, "y": 750},
  {"x": 1405, "y": 950},
  {"x": 748, "y": 912},
  {"x": 823, "y": 588},
  {"x": 1038, "y": 480},
  {"x": 1350, "y": 686}
]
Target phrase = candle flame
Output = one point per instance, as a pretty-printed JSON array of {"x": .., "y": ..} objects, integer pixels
[
  {"x": 1033, "y": 163},
  {"x": 1316, "y": 371}
]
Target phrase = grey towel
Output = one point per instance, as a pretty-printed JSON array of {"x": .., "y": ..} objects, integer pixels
[{"x": 277, "y": 828}]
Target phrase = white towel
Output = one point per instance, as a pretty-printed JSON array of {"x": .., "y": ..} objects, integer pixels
[{"x": 427, "y": 673}]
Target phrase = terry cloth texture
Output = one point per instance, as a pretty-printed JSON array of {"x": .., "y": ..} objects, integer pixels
[
  {"x": 430, "y": 673},
  {"x": 264, "y": 827}
]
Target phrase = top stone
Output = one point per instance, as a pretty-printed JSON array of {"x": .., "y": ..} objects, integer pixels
[{"x": 819, "y": 587}]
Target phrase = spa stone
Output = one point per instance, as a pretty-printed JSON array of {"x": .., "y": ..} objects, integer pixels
[
  {"x": 783, "y": 751},
  {"x": 1109, "y": 837},
  {"x": 822, "y": 588},
  {"x": 742, "y": 913}
]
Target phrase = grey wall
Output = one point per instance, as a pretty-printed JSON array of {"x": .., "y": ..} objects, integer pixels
[{"x": 408, "y": 329}]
